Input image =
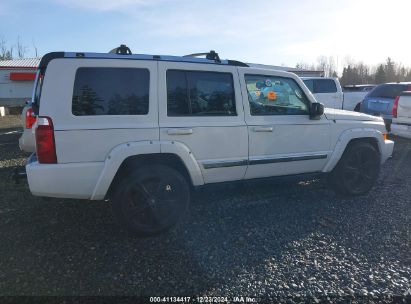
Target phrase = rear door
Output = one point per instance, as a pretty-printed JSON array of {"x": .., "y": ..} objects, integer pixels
[{"x": 200, "y": 106}]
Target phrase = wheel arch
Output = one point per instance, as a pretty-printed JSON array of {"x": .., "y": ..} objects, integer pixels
[
  {"x": 129, "y": 156},
  {"x": 349, "y": 137},
  {"x": 134, "y": 162}
]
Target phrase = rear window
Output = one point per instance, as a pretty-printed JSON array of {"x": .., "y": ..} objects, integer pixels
[
  {"x": 321, "y": 85},
  {"x": 358, "y": 88},
  {"x": 111, "y": 91},
  {"x": 387, "y": 90}
]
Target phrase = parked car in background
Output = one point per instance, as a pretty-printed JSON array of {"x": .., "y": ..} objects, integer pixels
[
  {"x": 326, "y": 90},
  {"x": 354, "y": 94},
  {"x": 401, "y": 112},
  {"x": 27, "y": 141},
  {"x": 380, "y": 100}
]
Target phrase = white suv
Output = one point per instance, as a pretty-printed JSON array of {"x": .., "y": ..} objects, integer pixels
[{"x": 141, "y": 130}]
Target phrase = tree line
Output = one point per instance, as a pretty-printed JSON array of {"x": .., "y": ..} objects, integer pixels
[
  {"x": 355, "y": 73},
  {"x": 14, "y": 50}
]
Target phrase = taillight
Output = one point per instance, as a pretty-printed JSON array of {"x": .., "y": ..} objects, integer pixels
[
  {"x": 395, "y": 107},
  {"x": 45, "y": 146},
  {"x": 30, "y": 118}
]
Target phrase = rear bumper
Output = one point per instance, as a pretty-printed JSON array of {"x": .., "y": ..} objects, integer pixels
[
  {"x": 72, "y": 180},
  {"x": 401, "y": 130},
  {"x": 386, "y": 150}
]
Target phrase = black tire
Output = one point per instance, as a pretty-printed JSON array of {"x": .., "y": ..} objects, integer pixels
[
  {"x": 357, "y": 107},
  {"x": 151, "y": 200},
  {"x": 357, "y": 170}
]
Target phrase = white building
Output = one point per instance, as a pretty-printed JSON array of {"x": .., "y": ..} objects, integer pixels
[{"x": 17, "y": 80}]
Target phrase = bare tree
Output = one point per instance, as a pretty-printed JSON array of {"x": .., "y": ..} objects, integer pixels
[
  {"x": 35, "y": 49},
  {"x": 21, "y": 49},
  {"x": 4, "y": 52}
]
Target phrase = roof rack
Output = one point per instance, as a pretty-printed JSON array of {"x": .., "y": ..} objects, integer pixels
[
  {"x": 212, "y": 55},
  {"x": 121, "y": 50}
]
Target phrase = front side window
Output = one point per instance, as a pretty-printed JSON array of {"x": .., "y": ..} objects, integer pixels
[
  {"x": 111, "y": 91},
  {"x": 192, "y": 93},
  {"x": 273, "y": 95}
]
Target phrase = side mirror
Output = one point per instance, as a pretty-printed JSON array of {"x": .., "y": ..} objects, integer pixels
[{"x": 316, "y": 110}]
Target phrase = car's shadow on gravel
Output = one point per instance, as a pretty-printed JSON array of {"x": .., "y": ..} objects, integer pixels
[
  {"x": 61, "y": 246},
  {"x": 74, "y": 247}
]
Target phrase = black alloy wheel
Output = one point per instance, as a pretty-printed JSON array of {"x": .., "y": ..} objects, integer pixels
[
  {"x": 357, "y": 170},
  {"x": 151, "y": 200}
]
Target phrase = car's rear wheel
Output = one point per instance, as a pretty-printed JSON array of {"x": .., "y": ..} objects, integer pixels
[
  {"x": 357, "y": 170},
  {"x": 151, "y": 200}
]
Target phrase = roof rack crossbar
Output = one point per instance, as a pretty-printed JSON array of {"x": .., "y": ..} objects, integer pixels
[
  {"x": 212, "y": 55},
  {"x": 121, "y": 50}
]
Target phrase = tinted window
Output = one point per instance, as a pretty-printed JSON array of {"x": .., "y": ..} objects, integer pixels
[
  {"x": 111, "y": 91},
  {"x": 324, "y": 86},
  {"x": 310, "y": 84},
  {"x": 191, "y": 93},
  {"x": 387, "y": 90},
  {"x": 360, "y": 88},
  {"x": 271, "y": 95}
]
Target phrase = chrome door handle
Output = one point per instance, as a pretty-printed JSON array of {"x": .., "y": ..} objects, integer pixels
[
  {"x": 263, "y": 129},
  {"x": 179, "y": 131}
]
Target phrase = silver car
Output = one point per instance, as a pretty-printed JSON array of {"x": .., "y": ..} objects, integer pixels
[{"x": 27, "y": 141}]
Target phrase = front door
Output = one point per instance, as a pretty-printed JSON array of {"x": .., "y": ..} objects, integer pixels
[
  {"x": 202, "y": 109},
  {"x": 283, "y": 140}
]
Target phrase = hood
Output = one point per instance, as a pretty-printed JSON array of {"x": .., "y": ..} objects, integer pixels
[{"x": 336, "y": 114}]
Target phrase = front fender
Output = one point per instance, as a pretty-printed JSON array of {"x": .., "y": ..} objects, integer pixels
[
  {"x": 349, "y": 135},
  {"x": 121, "y": 152}
]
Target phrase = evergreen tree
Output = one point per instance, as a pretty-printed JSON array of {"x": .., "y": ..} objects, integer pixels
[{"x": 380, "y": 76}]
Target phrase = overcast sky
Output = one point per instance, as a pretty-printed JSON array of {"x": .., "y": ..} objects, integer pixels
[{"x": 269, "y": 32}]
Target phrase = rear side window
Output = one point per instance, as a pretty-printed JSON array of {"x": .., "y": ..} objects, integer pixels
[
  {"x": 310, "y": 84},
  {"x": 192, "y": 93},
  {"x": 387, "y": 90},
  {"x": 321, "y": 85},
  {"x": 324, "y": 86},
  {"x": 111, "y": 91}
]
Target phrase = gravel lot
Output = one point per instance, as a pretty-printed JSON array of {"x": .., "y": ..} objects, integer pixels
[{"x": 286, "y": 240}]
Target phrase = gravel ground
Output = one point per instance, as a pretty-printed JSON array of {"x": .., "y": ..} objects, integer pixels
[{"x": 286, "y": 241}]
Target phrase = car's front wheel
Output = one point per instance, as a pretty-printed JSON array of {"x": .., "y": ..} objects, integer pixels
[
  {"x": 357, "y": 170},
  {"x": 151, "y": 200}
]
